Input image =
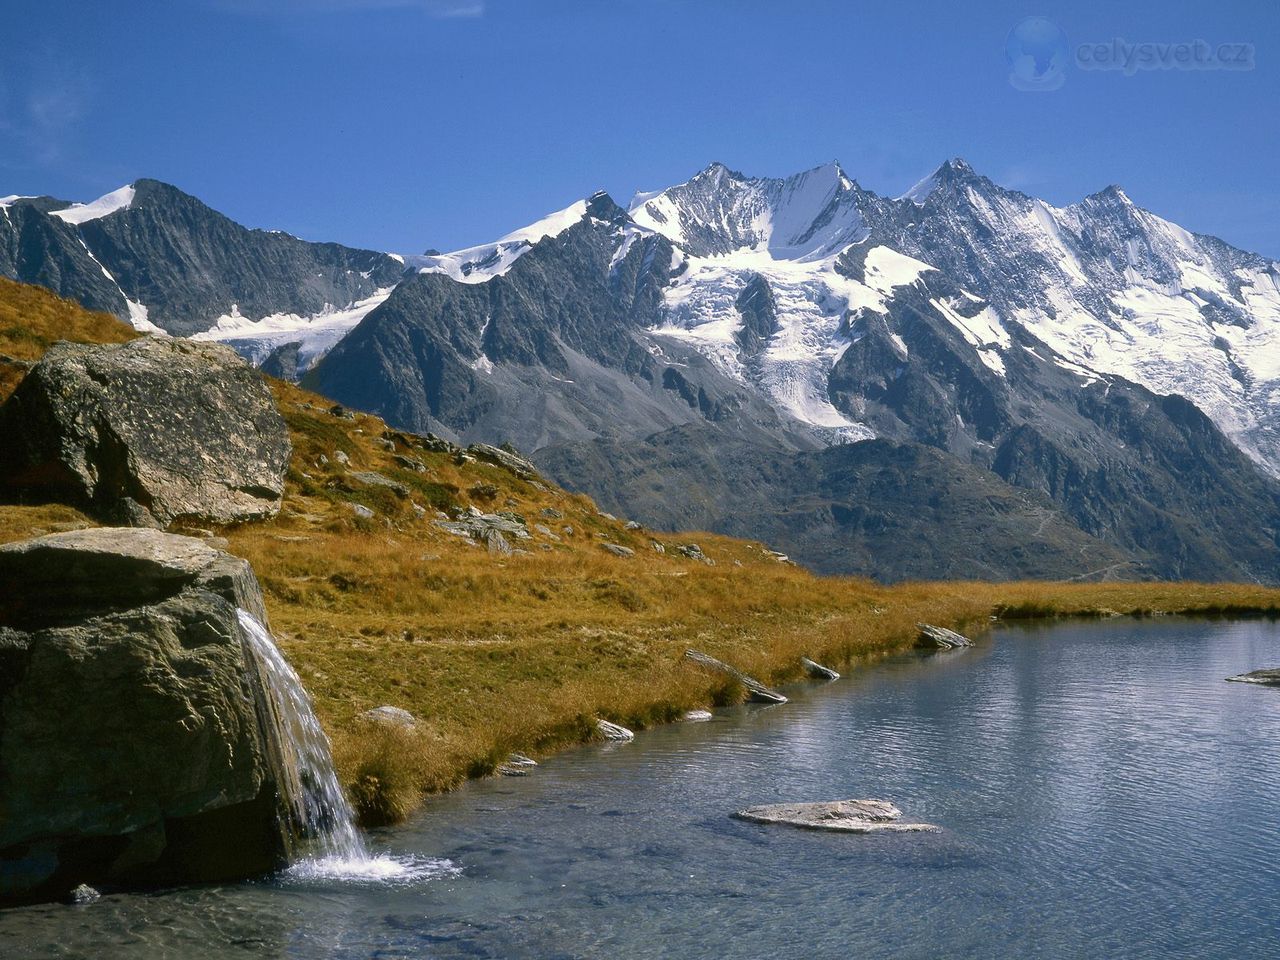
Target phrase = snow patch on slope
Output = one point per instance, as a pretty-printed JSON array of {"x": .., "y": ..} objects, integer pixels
[
  {"x": 105, "y": 205},
  {"x": 812, "y": 302},
  {"x": 489, "y": 260},
  {"x": 316, "y": 334}
]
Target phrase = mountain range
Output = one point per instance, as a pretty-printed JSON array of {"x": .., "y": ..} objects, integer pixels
[{"x": 961, "y": 382}]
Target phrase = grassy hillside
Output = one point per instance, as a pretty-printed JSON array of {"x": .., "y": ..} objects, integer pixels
[
  {"x": 495, "y": 651},
  {"x": 32, "y": 318}
]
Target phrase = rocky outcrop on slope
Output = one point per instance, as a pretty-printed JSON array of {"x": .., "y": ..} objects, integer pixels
[
  {"x": 146, "y": 433},
  {"x": 132, "y": 744}
]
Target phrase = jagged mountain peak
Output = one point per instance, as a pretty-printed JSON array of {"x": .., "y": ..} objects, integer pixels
[
  {"x": 813, "y": 213},
  {"x": 1110, "y": 197},
  {"x": 953, "y": 178},
  {"x": 602, "y": 206}
]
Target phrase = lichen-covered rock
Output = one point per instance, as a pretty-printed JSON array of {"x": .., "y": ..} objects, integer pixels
[
  {"x": 517, "y": 464},
  {"x": 389, "y": 716},
  {"x": 135, "y": 744},
  {"x": 147, "y": 432}
]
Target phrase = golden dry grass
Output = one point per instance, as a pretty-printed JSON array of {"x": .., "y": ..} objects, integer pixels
[
  {"x": 500, "y": 653},
  {"x": 32, "y": 319}
]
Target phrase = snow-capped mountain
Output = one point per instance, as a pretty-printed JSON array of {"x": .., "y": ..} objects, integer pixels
[
  {"x": 162, "y": 260},
  {"x": 713, "y": 351},
  {"x": 964, "y": 381},
  {"x": 1106, "y": 286}
]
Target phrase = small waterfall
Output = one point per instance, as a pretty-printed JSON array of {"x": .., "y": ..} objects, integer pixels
[{"x": 318, "y": 810}]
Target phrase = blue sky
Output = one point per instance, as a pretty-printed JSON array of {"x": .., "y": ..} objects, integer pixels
[{"x": 407, "y": 124}]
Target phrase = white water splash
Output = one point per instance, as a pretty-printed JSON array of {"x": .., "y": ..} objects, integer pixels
[
  {"x": 317, "y": 808},
  {"x": 381, "y": 870}
]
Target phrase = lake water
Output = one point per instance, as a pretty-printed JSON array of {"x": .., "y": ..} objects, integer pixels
[{"x": 1103, "y": 793}]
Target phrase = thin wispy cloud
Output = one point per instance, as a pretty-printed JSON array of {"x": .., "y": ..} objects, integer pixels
[
  {"x": 40, "y": 109},
  {"x": 444, "y": 9}
]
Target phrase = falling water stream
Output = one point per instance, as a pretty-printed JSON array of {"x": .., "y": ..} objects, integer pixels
[{"x": 319, "y": 814}]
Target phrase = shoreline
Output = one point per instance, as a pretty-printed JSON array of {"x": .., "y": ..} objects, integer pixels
[{"x": 376, "y": 762}]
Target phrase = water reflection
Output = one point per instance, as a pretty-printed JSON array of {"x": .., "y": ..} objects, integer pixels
[{"x": 1103, "y": 793}]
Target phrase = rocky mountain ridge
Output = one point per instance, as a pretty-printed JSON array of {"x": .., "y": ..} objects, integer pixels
[
  {"x": 735, "y": 333},
  {"x": 160, "y": 259}
]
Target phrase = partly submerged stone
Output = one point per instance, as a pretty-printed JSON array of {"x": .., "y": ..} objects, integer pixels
[
  {"x": 696, "y": 716},
  {"x": 136, "y": 745},
  {"x": 614, "y": 731},
  {"x": 848, "y": 816},
  {"x": 1270, "y": 678},
  {"x": 940, "y": 638},
  {"x": 817, "y": 671},
  {"x": 146, "y": 433},
  {"x": 517, "y": 765},
  {"x": 756, "y": 690}
]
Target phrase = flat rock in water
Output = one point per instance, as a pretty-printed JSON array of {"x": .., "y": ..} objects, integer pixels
[
  {"x": 758, "y": 691},
  {"x": 1268, "y": 678},
  {"x": 847, "y": 816},
  {"x": 940, "y": 638},
  {"x": 696, "y": 716},
  {"x": 817, "y": 671}
]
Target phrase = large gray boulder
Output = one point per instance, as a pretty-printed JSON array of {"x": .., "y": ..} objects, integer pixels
[
  {"x": 136, "y": 745},
  {"x": 147, "y": 432}
]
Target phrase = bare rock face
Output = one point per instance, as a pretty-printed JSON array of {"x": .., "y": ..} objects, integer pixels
[
  {"x": 147, "y": 432},
  {"x": 135, "y": 743},
  {"x": 847, "y": 816}
]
